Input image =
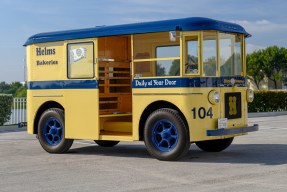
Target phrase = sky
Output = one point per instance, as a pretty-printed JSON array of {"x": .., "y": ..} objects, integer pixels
[{"x": 266, "y": 20}]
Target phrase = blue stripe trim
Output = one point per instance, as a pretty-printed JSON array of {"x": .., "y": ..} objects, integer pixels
[
  {"x": 221, "y": 132},
  {"x": 144, "y": 83},
  {"x": 64, "y": 84},
  {"x": 189, "y": 82}
]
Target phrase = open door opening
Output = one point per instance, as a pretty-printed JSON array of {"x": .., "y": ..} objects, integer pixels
[{"x": 115, "y": 90}]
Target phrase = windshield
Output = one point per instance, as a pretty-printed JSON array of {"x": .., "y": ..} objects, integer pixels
[
  {"x": 209, "y": 54},
  {"x": 230, "y": 54}
]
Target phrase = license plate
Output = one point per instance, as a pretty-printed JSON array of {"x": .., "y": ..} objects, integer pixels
[{"x": 222, "y": 123}]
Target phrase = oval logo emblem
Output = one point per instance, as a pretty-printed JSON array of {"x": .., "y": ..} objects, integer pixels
[{"x": 232, "y": 81}]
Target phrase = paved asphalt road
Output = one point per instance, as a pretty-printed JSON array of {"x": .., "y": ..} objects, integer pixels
[{"x": 256, "y": 162}]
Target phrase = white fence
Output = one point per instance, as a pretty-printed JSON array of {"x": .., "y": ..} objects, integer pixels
[{"x": 18, "y": 110}]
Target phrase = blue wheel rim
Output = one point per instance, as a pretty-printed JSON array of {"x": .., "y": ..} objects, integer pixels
[
  {"x": 53, "y": 131},
  {"x": 164, "y": 135}
]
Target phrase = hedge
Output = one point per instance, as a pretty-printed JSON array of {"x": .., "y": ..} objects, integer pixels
[
  {"x": 268, "y": 101},
  {"x": 5, "y": 107}
]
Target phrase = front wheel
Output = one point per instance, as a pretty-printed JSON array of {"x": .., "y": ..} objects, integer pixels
[
  {"x": 165, "y": 135},
  {"x": 51, "y": 131},
  {"x": 104, "y": 143},
  {"x": 214, "y": 145}
]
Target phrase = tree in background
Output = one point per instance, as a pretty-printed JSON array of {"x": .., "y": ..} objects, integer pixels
[
  {"x": 209, "y": 66},
  {"x": 275, "y": 63},
  {"x": 5, "y": 108},
  {"x": 16, "y": 89},
  {"x": 160, "y": 70},
  {"x": 174, "y": 69},
  {"x": 270, "y": 62},
  {"x": 254, "y": 67}
]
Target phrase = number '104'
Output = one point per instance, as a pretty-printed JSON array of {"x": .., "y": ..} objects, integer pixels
[{"x": 202, "y": 112}]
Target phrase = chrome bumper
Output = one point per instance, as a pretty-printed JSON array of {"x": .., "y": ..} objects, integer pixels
[{"x": 240, "y": 130}]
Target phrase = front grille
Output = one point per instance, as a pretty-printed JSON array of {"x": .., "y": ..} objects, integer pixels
[{"x": 233, "y": 108}]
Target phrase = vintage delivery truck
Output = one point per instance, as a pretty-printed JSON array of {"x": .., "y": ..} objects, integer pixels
[{"x": 168, "y": 83}]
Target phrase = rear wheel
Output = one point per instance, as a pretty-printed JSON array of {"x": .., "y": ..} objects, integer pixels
[
  {"x": 104, "y": 143},
  {"x": 214, "y": 145},
  {"x": 165, "y": 135},
  {"x": 51, "y": 131}
]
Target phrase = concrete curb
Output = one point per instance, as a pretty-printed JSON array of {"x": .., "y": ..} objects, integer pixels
[{"x": 267, "y": 114}]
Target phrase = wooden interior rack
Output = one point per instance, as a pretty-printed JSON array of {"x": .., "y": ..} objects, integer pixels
[{"x": 115, "y": 87}]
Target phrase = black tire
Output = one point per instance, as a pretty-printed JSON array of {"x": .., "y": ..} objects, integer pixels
[
  {"x": 165, "y": 135},
  {"x": 104, "y": 143},
  {"x": 214, "y": 145},
  {"x": 51, "y": 131}
]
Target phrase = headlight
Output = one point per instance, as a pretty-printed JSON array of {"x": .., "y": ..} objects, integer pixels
[
  {"x": 214, "y": 97},
  {"x": 250, "y": 95}
]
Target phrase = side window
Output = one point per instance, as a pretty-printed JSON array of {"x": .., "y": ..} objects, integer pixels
[
  {"x": 81, "y": 60},
  {"x": 191, "y": 59},
  {"x": 156, "y": 55},
  {"x": 168, "y": 67}
]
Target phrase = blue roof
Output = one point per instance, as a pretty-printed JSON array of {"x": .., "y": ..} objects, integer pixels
[{"x": 186, "y": 24}]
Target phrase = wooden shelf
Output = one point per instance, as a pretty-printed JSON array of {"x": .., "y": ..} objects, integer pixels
[
  {"x": 115, "y": 87},
  {"x": 121, "y": 72},
  {"x": 117, "y": 115},
  {"x": 112, "y": 78},
  {"x": 115, "y": 64},
  {"x": 106, "y": 102},
  {"x": 104, "y": 95}
]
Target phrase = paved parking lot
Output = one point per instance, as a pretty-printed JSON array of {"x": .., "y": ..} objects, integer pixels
[{"x": 257, "y": 162}]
